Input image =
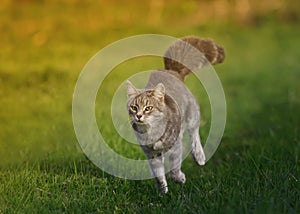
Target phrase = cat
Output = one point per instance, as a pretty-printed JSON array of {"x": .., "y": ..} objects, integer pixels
[{"x": 165, "y": 108}]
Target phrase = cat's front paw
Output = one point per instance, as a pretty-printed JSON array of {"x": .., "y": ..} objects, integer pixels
[
  {"x": 178, "y": 177},
  {"x": 163, "y": 190},
  {"x": 162, "y": 186}
]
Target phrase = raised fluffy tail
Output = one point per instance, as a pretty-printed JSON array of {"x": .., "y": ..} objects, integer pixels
[{"x": 186, "y": 51}]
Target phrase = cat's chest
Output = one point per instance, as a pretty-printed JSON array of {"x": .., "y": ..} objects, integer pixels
[
  {"x": 140, "y": 128},
  {"x": 155, "y": 149},
  {"x": 147, "y": 134}
]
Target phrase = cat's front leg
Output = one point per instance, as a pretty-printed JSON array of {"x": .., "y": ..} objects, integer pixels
[
  {"x": 175, "y": 161},
  {"x": 162, "y": 184},
  {"x": 158, "y": 171}
]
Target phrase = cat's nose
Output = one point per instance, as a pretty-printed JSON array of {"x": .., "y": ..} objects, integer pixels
[{"x": 139, "y": 116}]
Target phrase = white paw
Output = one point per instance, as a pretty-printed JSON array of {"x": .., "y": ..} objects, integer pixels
[
  {"x": 158, "y": 145},
  {"x": 163, "y": 190},
  {"x": 178, "y": 177},
  {"x": 199, "y": 157},
  {"x": 202, "y": 159}
]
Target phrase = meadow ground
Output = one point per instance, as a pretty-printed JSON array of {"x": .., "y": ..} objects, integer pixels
[{"x": 255, "y": 170}]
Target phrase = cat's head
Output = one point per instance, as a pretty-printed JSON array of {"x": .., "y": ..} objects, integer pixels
[{"x": 145, "y": 106}]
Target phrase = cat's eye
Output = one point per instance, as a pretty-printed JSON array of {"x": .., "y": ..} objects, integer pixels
[
  {"x": 148, "y": 108},
  {"x": 134, "y": 108}
]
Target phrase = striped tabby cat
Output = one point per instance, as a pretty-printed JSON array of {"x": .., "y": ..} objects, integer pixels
[{"x": 165, "y": 108}]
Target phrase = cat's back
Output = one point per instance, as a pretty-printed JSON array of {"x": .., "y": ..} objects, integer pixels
[{"x": 174, "y": 88}]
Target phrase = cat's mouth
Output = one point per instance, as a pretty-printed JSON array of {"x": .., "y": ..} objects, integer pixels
[
  {"x": 140, "y": 127},
  {"x": 139, "y": 122}
]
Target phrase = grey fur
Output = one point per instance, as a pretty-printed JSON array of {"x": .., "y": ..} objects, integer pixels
[
  {"x": 173, "y": 108},
  {"x": 177, "y": 111}
]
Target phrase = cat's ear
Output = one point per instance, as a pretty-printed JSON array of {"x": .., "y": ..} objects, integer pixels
[
  {"x": 131, "y": 90},
  {"x": 159, "y": 91}
]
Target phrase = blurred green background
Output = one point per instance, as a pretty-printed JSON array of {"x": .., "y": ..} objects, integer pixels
[{"x": 45, "y": 44}]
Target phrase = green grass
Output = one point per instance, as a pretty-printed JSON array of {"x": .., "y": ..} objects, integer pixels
[{"x": 42, "y": 169}]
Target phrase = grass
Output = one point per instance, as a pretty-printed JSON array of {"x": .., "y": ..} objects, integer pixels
[{"x": 255, "y": 170}]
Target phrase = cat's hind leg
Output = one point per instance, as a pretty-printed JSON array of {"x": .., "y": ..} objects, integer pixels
[
  {"x": 193, "y": 123},
  {"x": 196, "y": 147}
]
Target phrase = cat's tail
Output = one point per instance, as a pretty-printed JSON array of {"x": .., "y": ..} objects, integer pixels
[{"x": 187, "y": 50}]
